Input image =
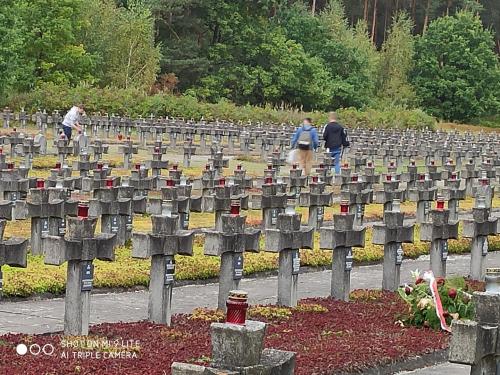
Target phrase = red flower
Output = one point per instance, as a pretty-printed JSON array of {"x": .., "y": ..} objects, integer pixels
[
  {"x": 452, "y": 293},
  {"x": 408, "y": 290},
  {"x": 419, "y": 281},
  {"x": 446, "y": 314},
  {"x": 440, "y": 281}
]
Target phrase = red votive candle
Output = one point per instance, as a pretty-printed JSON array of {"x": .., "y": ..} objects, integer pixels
[
  {"x": 237, "y": 307},
  {"x": 10, "y": 165},
  {"x": 344, "y": 208},
  {"x": 170, "y": 182},
  {"x": 40, "y": 183},
  {"x": 268, "y": 180},
  {"x": 315, "y": 178},
  {"x": 58, "y": 165},
  {"x": 109, "y": 182},
  {"x": 235, "y": 207},
  {"x": 388, "y": 177},
  {"x": 440, "y": 204},
  {"x": 222, "y": 181},
  {"x": 294, "y": 166},
  {"x": 83, "y": 210},
  {"x": 354, "y": 177},
  {"x": 239, "y": 167}
]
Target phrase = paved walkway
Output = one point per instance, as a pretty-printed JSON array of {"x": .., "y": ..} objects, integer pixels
[
  {"x": 40, "y": 316},
  {"x": 444, "y": 369}
]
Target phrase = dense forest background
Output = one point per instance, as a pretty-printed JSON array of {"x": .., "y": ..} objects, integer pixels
[{"x": 438, "y": 55}]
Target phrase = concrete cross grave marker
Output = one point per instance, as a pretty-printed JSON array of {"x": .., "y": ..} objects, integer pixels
[
  {"x": 392, "y": 234},
  {"x": 287, "y": 238},
  {"x": 13, "y": 252},
  {"x": 423, "y": 192},
  {"x": 229, "y": 240},
  {"x": 161, "y": 245},
  {"x": 47, "y": 208},
  {"x": 63, "y": 149},
  {"x": 127, "y": 149},
  {"x": 438, "y": 231},
  {"x": 316, "y": 199},
  {"x": 453, "y": 194},
  {"x": 478, "y": 229},
  {"x": 113, "y": 210},
  {"x": 341, "y": 238},
  {"x": 272, "y": 203},
  {"x": 390, "y": 192},
  {"x": 79, "y": 248},
  {"x": 358, "y": 196},
  {"x": 296, "y": 181}
]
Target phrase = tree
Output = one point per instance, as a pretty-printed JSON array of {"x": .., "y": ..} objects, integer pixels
[
  {"x": 266, "y": 68},
  {"x": 456, "y": 72},
  {"x": 12, "y": 68},
  {"x": 50, "y": 49},
  {"x": 396, "y": 63},
  {"x": 122, "y": 41}
]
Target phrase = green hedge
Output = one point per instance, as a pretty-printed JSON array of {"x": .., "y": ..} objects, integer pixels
[{"x": 134, "y": 103}]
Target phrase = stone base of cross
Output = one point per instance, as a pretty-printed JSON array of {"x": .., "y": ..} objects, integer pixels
[{"x": 475, "y": 342}]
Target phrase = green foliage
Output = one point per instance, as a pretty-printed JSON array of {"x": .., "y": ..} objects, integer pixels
[
  {"x": 11, "y": 41},
  {"x": 456, "y": 73},
  {"x": 122, "y": 41},
  {"x": 134, "y": 102},
  {"x": 455, "y": 300},
  {"x": 51, "y": 51},
  {"x": 396, "y": 63}
]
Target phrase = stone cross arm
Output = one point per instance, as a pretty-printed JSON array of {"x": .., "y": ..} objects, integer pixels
[
  {"x": 217, "y": 243},
  {"x": 58, "y": 250},
  {"x": 472, "y": 229},
  {"x": 146, "y": 245},
  {"x": 121, "y": 206},
  {"x": 6, "y": 209},
  {"x": 278, "y": 240},
  {"x": 416, "y": 195},
  {"x": 54, "y": 208},
  {"x": 430, "y": 232},
  {"x": 13, "y": 252},
  {"x": 382, "y": 234},
  {"x": 331, "y": 238}
]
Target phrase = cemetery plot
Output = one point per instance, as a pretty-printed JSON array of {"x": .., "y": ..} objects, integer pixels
[{"x": 327, "y": 335}]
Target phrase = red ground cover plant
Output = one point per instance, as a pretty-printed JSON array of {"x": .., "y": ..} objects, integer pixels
[{"x": 329, "y": 337}]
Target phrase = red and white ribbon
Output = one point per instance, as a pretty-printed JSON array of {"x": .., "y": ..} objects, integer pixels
[{"x": 429, "y": 277}]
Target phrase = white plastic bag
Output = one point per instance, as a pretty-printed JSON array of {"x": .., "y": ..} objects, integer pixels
[{"x": 292, "y": 156}]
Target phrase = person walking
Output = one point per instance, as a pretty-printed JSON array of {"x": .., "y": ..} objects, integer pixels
[
  {"x": 72, "y": 120},
  {"x": 305, "y": 140},
  {"x": 335, "y": 137}
]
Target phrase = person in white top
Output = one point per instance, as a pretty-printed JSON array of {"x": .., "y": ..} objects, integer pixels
[{"x": 71, "y": 120}]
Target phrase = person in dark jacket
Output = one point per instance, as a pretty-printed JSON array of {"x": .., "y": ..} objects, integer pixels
[{"x": 335, "y": 137}]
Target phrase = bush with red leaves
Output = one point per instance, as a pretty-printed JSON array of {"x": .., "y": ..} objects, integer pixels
[{"x": 335, "y": 337}]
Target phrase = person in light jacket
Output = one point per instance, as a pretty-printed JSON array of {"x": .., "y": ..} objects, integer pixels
[{"x": 305, "y": 140}]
